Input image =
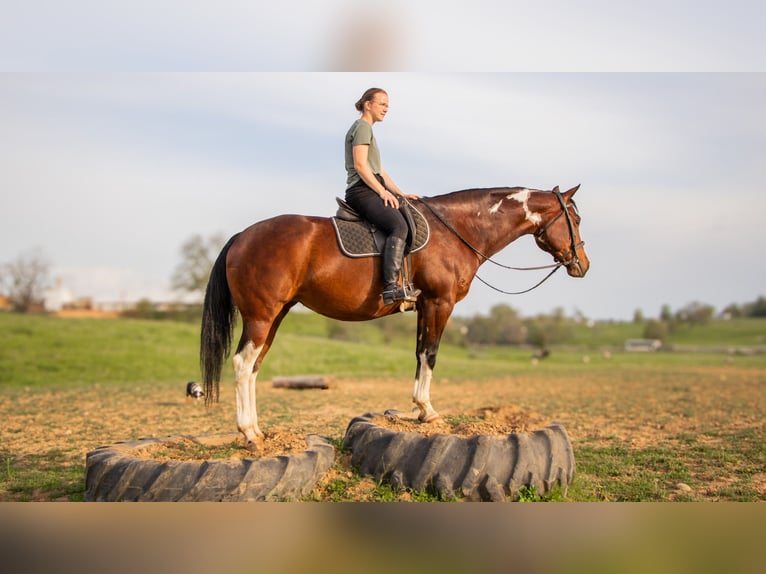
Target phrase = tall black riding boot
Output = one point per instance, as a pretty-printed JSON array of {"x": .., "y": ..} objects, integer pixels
[{"x": 393, "y": 255}]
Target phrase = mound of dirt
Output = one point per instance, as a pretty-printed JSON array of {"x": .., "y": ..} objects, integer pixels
[
  {"x": 493, "y": 421},
  {"x": 277, "y": 442}
]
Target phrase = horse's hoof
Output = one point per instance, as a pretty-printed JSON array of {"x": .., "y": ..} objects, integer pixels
[
  {"x": 255, "y": 443},
  {"x": 432, "y": 418}
]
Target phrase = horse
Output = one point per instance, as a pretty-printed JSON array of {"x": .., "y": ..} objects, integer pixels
[{"x": 266, "y": 269}]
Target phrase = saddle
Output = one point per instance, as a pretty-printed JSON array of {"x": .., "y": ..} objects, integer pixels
[{"x": 359, "y": 238}]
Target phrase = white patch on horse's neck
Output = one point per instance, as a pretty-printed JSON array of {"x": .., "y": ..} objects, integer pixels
[{"x": 523, "y": 197}]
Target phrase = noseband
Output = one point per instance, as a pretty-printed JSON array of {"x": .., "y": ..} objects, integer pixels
[{"x": 569, "y": 257}]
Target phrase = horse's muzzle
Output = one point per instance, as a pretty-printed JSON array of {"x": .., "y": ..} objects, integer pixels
[
  {"x": 577, "y": 269},
  {"x": 576, "y": 261}
]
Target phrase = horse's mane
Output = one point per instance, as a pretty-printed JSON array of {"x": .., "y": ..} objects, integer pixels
[{"x": 473, "y": 195}]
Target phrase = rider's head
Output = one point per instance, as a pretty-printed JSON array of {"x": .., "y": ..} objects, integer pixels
[{"x": 368, "y": 96}]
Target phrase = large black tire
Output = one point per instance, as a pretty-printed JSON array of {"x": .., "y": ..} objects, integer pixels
[
  {"x": 482, "y": 467},
  {"x": 114, "y": 473}
]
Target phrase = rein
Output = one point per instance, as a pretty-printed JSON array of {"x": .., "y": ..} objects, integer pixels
[{"x": 554, "y": 266}]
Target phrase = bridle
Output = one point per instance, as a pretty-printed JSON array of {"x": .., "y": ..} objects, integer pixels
[
  {"x": 540, "y": 235},
  {"x": 572, "y": 253}
]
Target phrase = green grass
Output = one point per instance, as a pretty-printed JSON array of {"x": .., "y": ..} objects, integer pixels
[
  {"x": 605, "y": 334},
  {"x": 40, "y": 350},
  {"x": 530, "y": 494},
  {"x": 718, "y": 333},
  {"x": 619, "y": 474},
  {"x": 734, "y": 332},
  {"x": 51, "y": 475}
]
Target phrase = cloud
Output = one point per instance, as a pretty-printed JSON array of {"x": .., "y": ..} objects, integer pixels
[{"x": 523, "y": 123}]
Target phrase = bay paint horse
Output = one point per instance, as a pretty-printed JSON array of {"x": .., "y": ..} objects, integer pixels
[{"x": 266, "y": 269}]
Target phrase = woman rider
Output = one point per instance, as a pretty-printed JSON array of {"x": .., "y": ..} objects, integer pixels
[{"x": 372, "y": 193}]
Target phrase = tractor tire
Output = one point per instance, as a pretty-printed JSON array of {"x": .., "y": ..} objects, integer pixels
[
  {"x": 477, "y": 468},
  {"x": 117, "y": 473}
]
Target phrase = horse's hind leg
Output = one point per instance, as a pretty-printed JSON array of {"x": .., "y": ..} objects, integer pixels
[
  {"x": 257, "y": 337},
  {"x": 245, "y": 375}
]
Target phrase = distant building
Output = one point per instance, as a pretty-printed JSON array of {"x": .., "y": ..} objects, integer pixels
[
  {"x": 57, "y": 297},
  {"x": 643, "y": 345}
]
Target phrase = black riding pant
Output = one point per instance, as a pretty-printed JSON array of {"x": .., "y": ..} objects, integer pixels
[{"x": 369, "y": 205}]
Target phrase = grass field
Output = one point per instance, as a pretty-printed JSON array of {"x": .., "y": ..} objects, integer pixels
[{"x": 677, "y": 426}]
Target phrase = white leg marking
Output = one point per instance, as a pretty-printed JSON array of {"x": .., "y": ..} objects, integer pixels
[
  {"x": 247, "y": 417},
  {"x": 421, "y": 394},
  {"x": 523, "y": 197}
]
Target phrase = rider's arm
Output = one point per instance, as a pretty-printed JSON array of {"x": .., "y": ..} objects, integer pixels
[{"x": 363, "y": 169}]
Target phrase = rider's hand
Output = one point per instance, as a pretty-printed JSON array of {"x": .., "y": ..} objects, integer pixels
[{"x": 389, "y": 199}]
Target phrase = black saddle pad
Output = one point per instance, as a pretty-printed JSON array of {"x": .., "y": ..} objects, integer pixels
[{"x": 361, "y": 239}]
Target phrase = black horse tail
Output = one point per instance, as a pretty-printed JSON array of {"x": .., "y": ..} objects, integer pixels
[{"x": 218, "y": 317}]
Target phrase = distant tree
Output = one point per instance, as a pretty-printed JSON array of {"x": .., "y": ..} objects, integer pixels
[
  {"x": 502, "y": 327},
  {"x": 144, "y": 309},
  {"x": 480, "y": 330},
  {"x": 638, "y": 317},
  {"x": 666, "y": 314},
  {"x": 733, "y": 311},
  {"x": 656, "y": 330},
  {"x": 695, "y": 313},
  {"x": 197, "y": 257},
  {"x": 546, "y": 330},
  {"x": 510, "y": 329},
  {"x": 579, "y": 316},
  {"x": 25, "y": 279},
  {"x": 758, "y": 308}
]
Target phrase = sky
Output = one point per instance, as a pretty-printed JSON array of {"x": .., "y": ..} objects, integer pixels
[{"x": 118, "y": 142}]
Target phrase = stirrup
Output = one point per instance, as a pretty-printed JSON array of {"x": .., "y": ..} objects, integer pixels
[
  {"x": 396, "y": 294},
  {"x": 411, "y": 292}
]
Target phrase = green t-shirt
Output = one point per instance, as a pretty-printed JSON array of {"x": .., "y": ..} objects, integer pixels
[{"x": 360, "y": 133}]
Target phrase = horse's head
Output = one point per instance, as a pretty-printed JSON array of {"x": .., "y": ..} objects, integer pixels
[{"x": 559, "y": 234}]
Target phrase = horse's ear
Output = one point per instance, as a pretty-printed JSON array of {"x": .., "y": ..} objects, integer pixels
[
  {"x": 556, "y": 189},
  {"x": 572, "y": 191}
]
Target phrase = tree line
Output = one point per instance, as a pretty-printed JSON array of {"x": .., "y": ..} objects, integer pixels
[{"x": 696, "y": 313}]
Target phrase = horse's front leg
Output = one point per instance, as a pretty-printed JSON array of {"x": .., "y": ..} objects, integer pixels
[
  {"x": 245, "y": 375},
  {"x": 432, "y": 318}
]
